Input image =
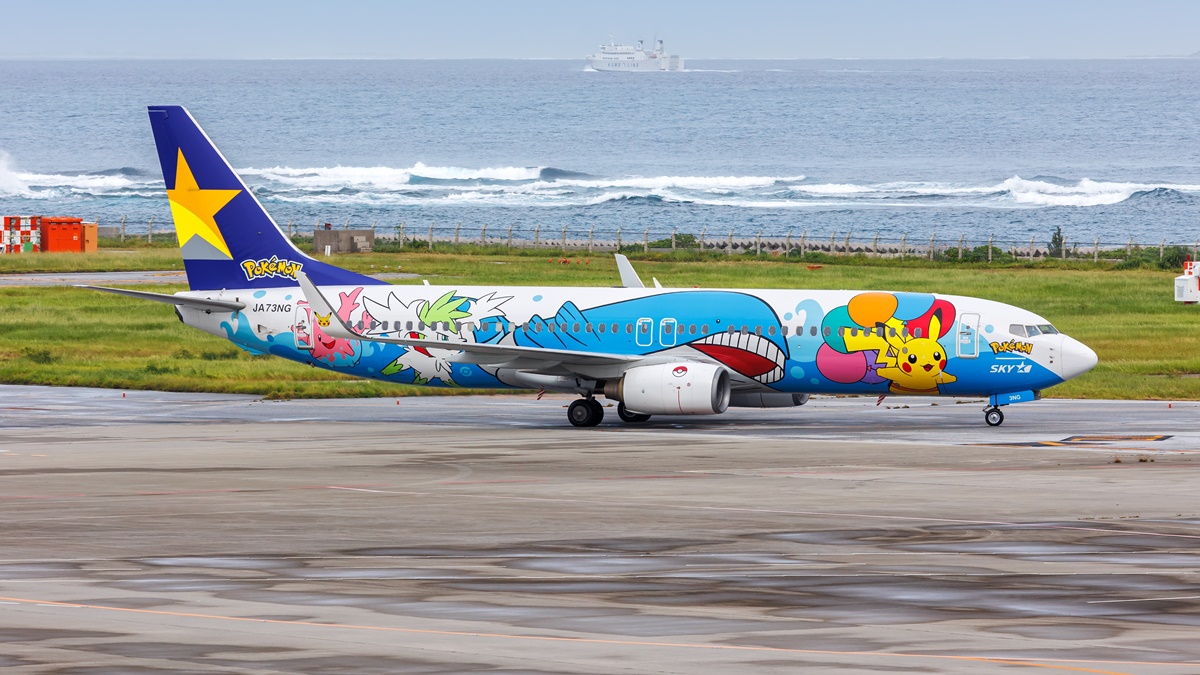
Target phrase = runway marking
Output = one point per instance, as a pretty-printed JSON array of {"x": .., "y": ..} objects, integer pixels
[
  {"x": 1177, "y": 597},
  {"x": 1053, "y": 664},
  {"x": 163, "y": 493},
  {"x": 1086, "y": 441},
  {"x": 742, "y": 509}
]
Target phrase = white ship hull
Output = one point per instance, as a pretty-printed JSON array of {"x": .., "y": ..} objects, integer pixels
[{"x": 635, "y": 64}]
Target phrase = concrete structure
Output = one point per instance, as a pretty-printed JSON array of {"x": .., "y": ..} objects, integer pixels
[{"x": 343, "y": 241}]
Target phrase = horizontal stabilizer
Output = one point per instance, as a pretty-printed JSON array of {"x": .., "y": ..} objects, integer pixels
[{"x": 177, "y": 300}]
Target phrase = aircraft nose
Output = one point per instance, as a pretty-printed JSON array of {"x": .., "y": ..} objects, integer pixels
[{"x": 1077, "y": 358}]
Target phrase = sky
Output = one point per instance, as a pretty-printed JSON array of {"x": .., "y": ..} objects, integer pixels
[{"x": 696, "y": 29}]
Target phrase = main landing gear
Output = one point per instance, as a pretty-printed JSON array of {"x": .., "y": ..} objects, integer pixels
[
  {"x": 585, "y": 412},
  {"x": 630, "y": 417},
  {"x": 588, "y": 412},
  {"x": 993, "y": 416}
]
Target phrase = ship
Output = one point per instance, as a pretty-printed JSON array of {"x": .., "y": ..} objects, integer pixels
[{"x": 615, "y": 57}]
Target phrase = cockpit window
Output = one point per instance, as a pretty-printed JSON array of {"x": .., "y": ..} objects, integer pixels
[
  {"x": 1017, "y": 329},
  {"x": 1031, "y": 331},
  {"x": 1047, "y": 329}
]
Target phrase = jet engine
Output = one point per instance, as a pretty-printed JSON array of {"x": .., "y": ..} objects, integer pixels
[
  {"x": 672, "y": 389},
  {"x": 767, "y": 400}
]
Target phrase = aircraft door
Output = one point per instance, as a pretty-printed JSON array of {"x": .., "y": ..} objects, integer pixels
[
  {"x": 666, "y": 332},
  {"x": 967, "y": 341},
  {"x": 301, "y": 328},
  {"x": 644, "y": 332}
]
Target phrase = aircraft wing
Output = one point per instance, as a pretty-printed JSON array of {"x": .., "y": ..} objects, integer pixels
[
  {"x": 523, "y": 358},
  {"x": 178, "y": 300}
]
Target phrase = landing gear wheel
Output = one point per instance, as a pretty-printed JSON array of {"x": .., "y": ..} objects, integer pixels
[
  {"x": 630, "y": 417},
  {"x": 993, "y": 416},
  {"x": 585, "y": 412}
]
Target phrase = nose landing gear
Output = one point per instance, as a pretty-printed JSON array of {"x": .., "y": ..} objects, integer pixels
[
  {"x": 585, "y": 412},
  {"x": 993, "y": 416}
]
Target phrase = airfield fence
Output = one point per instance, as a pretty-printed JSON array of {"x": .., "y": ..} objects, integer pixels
[{"x": 988, "y": 248}]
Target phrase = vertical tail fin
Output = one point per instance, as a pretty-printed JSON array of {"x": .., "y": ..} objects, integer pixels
[{"x": 227, "y": 238}]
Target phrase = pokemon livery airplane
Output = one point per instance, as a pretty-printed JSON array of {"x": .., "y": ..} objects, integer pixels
[{"x": 655, "y": 351}]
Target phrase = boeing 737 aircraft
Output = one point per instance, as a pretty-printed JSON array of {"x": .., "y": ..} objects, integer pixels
[{"x": 655, "y": 351}]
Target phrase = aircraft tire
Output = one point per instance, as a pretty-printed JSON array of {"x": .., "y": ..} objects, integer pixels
[
  {"x": 993, "y": 416},
  {"x": 630, "y": 417},
  {"x": 585, "y": 412}
]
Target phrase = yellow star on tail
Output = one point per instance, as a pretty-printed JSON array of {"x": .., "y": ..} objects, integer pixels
[{"x": 194, "y": 209}]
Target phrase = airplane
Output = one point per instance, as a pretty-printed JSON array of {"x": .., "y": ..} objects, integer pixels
[{"x": 655, "y": 351}]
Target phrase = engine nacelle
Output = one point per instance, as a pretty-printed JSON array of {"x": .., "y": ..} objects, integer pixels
[
  {"x": 769, "y": 399},
  {"x": 673, "y": 389}
]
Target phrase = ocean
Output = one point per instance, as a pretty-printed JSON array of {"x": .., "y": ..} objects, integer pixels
[{"x": 1011, "y": 149}]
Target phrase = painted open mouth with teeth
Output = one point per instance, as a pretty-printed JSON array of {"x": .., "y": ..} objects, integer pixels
[{"x": 751, "y": 355}]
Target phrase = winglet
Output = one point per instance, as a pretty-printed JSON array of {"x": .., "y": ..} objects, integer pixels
[
  {"x": 629, "y": 278},
  {"x": 323, "y": 311}
]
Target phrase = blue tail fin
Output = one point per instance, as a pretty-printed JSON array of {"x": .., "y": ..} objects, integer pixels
[{"x": 226, "y": 237}]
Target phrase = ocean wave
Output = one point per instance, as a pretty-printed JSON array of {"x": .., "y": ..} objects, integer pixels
[
  {"x": 1085, "y": 192},
  {"x": 543, "y": 186},
  {"x": 10, "y": 184}
]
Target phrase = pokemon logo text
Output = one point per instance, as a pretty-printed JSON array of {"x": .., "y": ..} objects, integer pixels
[
  {"x": 1010, "y": 346},
  {"x": 269, "y": 269}
]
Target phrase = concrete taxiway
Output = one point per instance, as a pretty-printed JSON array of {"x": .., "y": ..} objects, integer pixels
[{"x": 157, "y": 532}]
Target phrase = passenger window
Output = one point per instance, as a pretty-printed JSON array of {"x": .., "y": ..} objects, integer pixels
[
  {"x": 574, "y": 327},
  {"x": 587, "y": 328},
  {"x": 537, "y": 327},
  {"x": 704, "y": 328},
  {"x": 384, "y": 326},
  {"x": 854, "y": 331},
  {"x": 813, "y": 331},
  {"x": 420, "y": 325},
  {"x": 550, "y": 327},
  {"x": 616, "y": 328},
  {"x": 628, "y": 328},
  {"x": 602, "y": 327},
  {"x": 916, "y": 332},
  {"x": 758, "y": 330},
  {"x": 1017, "y": 329},
  {"x": 828, "y": 330},
  {"x": 732, "y": 330},
  {"x": 892, "y": 331},
  {"x": 692, "y": 329},
  {"x": 562, "y": 327},
  {"x": 783, "y": 330},
  {"x": 904, "y": 332},
  {"x": 645, "y": 328},
  {"x": 770, "y": 330}
]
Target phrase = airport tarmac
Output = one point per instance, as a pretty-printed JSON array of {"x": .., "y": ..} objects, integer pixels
[{"x": 179, "y": 533}]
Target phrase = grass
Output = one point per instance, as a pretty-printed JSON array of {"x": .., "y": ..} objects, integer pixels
[{"x": 1149, "y": 345}]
